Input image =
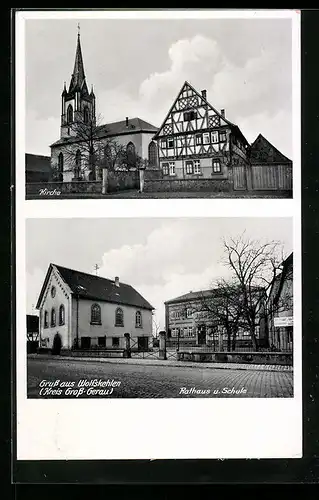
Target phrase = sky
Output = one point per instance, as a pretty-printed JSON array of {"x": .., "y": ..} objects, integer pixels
[
  {"x": 138, "y": 66},
  {"x": 160, "y": 258}
]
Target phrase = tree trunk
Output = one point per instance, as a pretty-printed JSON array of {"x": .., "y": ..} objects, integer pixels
[
  {"x": 254, "y": 339},
  {"x": 104, "y": 181},
  {"x": 233, "y": 347}
]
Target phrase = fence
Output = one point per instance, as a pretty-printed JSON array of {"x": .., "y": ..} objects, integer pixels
[{"x": 116, "y": 181}]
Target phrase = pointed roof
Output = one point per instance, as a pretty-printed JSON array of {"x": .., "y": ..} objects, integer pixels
[
  {"x": 262, "y": 151},
  {"x": 90, "y": 286},
  {"x": 186, "y": 84},
  {"x": 78, "y": 75}
]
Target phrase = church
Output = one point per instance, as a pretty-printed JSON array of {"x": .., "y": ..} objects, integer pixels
[
  {"x": 84, "y": 311},
  {"x": 85, "y": 145}
]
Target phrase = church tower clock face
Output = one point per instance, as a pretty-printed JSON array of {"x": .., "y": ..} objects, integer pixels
[{"x": 53, "y": 291}]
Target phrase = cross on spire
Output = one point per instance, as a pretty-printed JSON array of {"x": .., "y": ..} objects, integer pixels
[
  {"x": 96, "y": 267},
  {"x": 78, "y": 29}
]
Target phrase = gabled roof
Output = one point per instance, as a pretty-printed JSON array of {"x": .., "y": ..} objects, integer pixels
[
  {"x": 287, "y": 270},
  {"x": 113, "y": 129},
  {"x": 90, "y": 286},
  {"x": 37, "y": 163},
  {"x": 187, "y": 84},
  {"x": 262, "y": 151}
]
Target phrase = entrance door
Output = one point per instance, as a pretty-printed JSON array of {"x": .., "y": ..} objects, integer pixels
[
  {"x": 202, "y": 335},
  {"x": 239, "y": 178},
  {"x": 57, "y": 344},
  {"x": 142, "y": 343}
]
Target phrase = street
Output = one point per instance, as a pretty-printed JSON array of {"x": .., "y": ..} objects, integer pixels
[{"x": 61, "y": 378}]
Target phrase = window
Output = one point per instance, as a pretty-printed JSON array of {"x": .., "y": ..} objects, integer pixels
[
  {"x": 101, "y": 341},
  {"x": 60, "y": 162},
  {"x": 152, "y": 153},
  {"x": 46, "y": 319},
  {"x": 214, "y": 136},
  {"x": 189, "y": 167},
  {"x": 216, "y": 166},
  {"x": 131, "y": 154},
  {"x": 69, "y": 113},
  {"x": 197, "y": 169},
  {"x": 206, "y": 139},
  {"x": 53, "y": 319},
  {"x": 77, "y": 164},
  {"x": 138, "y": 319},
  {"x": 172, "y": 168},
  {"x": 222, "y": 136},
  {"x": 189, "y": 313},
  {"x": 190, "y": 115},
  {"x": 115, "y": 342},
  {"x": 163, "y": 143},
  {"x": 85, "y": 342},
  {"x": 199, "y": 139},
  {"x": 53, "y": 291},
  {"x": 119, "y": 317},
  {"x": 86, "y": 114},
  {"x": 170, "y": 142},
  {"x": 61, "y": 315},
  {"x": 95, "y": 314},
  {"x": 190, "y": 331},
  {"x": 165, "y": 168}
]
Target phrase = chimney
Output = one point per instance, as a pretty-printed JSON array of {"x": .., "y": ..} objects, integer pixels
[
  {"x": 204, "y": 94},
  {"x": 222, "y": 112},
  {"x": 127, "y": 121},
  {"x": 117, "y": 281}
]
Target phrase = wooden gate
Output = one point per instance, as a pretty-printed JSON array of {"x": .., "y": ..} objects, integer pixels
[{"x": 240, "y": 181}]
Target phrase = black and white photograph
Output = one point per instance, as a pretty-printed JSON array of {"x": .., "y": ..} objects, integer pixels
[
  {"x": 158, "y": 234},
  {"x": 132, "y": 317},
  {"x": 158, "y": 107}
]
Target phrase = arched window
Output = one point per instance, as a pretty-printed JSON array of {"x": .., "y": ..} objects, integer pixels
[
  {"x": 138, "y": 319},
  {"x": 60, "y": 162},
  {"x": 152, "y": 153},
  {"x": 69, "y": 113},
  {"x": 61, "y": 315},
  {"x": 53, "y": 318},
  {"x": 119, "y": 317},
  {"x": 131, "y": 154},
  {"x": 86, "y": 114},
  {"x": 96, "y": 314},
  {"x": 77, "y": 163},
  {"x": 46, "y": 319}
]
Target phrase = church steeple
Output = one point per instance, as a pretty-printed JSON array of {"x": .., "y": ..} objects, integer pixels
[
  {"x": 78, "y": 75},
  {"x": 78, "y": 105}
]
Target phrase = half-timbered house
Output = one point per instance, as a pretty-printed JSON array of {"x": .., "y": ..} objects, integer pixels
[{"x": 197, "y": 141}]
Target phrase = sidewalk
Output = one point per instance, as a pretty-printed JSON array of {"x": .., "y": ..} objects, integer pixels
[{"x": 159, "y": 362}]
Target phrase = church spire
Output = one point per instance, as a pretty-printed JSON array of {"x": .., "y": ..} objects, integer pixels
[{"x": 78, "y": 76}]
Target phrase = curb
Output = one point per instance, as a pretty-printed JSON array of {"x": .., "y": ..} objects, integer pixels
[{"x": 179, "y": 364}]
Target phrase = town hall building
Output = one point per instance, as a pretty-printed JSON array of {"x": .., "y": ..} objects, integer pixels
[
  {"x": 84, "y": 311},
  {"x": 79, "y": 131}
]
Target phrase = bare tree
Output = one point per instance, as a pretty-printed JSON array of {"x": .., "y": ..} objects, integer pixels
[
  {"x": 86, "y": 143},
  {"x": 254, "y": 267}
]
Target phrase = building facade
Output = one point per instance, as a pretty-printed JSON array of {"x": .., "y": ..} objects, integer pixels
[
  {"x": 190, "y": 320},
  {"x": 71, "y": 156},
  {"x": 37, "y": 168},
  {"x": 280, "y": 309},
  {"x": 197, "y": 141},
  {"x": 80, "y": 310}
]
